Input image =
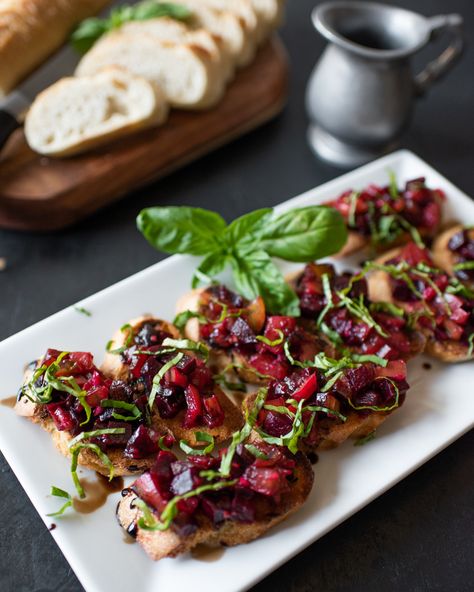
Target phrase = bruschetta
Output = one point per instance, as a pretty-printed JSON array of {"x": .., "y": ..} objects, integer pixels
[
  {"x": 243, "y": 337},
  {"x": 340, "y": 311},
  {"x": 383, "y": 217},
  {"x": 175, "y": 378},
  {"x": 440, "y": 305},
  {"x": 453, "y": 251},
  {"x": 179, "y": 504},
  {"x": 105, "y": 421},
  {"x": 319, "y": 407}
]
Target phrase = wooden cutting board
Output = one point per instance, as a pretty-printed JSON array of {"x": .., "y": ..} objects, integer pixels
[{"x": 39, "y": 193}]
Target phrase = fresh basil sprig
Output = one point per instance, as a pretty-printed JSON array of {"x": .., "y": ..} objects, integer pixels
[
  {"x": 247, "y": 245},
  {"x": 92, "y": 29}
]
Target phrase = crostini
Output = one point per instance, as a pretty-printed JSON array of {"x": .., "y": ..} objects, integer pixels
[
  {"x": 439, "y": 305},
  {"x": 383, "y": 217},
  {"x": 104, "y": 422},
  {"x": 337, "y": 307},
  {"x": 179, "y": 504},
  {"x": 174, "y": 376},
  {"x": 453, "y": 251},
  {"x": 241, "y": 335},
  {"x": 319, "y": 407}
]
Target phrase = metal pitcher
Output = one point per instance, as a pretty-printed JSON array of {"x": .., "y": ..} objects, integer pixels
[{"x": 361, "y": 93}]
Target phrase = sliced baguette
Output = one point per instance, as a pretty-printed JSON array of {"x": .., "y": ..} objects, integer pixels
[
  {"x": 186, "y": 73},
  {"x": 168, "y": 543},
  {"x": 76, "y": 114},
  {"x": 443, "y": 256},
  {"x": 228, "y": 25},
  {"x": 171, "y": 30}
]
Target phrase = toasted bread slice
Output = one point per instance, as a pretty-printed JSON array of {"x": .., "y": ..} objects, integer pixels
[
  {"x": 186, "y": 72},
  {"x": 445, "y": 258},
  {"x": 331, "y": 434},
  {"x": 76, "y": 114},
  {"x": 114, "y": 366},
  {"x": 168, "y": 543},
  {"x": 380, "y": 290}
]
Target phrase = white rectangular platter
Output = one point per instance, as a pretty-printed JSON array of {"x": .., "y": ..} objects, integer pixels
[{"x": 439, "y": 408}]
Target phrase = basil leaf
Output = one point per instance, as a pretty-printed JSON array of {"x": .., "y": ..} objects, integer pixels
[
  {"x": 87, "y": 33},
  {"x": 256, "y": 451},
  {"x": 57, "y": 492},
  {"x": 247, "y": 228},
  {"x": 304, "y": 234},
  {"x": 255, "y": 274},
  {"x": 209, "y": 267},
  {"x": 153, "y": 9},
  {"x": 200, "y": 437},
  {"x": 182, "y": 229}
]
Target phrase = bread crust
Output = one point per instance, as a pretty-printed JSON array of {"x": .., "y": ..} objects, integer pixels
[
  {"x": 159, "y": 545},
  {"x": 30, "y": 30}
]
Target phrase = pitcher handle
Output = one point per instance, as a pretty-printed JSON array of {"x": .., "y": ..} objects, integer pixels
[{"x": 442, "y": 64}]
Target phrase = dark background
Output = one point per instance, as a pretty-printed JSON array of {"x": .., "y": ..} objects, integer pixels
[{"x": 416, "y": 537}]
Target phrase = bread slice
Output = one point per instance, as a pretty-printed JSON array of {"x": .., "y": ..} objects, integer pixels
[
  {"x": 228, "y": 25},
  {"x": 168, "y": 543},
  {"x": 380, "y": 290},
  {"x": 112, "y": 364},
  {"x": 270, "y": 14},
  {"x": 171, "y": 30},
  {"x": 186, "y": 73},
  {"x": 445, "y": 258},
  {"x": 114, "y": 367},
  {"x": 30, "y": 30},
  {"x": 76, "y": 114}
]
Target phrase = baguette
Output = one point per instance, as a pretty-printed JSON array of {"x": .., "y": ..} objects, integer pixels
[
  {"x": 170, "y": 30},
  {"x": 30, "y": 30},
  {"x": 76, "y": 114},
  {"x": 186, "y": 73},
  {"x": 231, "y": 27},
  {"x": 227, "y": 532}
]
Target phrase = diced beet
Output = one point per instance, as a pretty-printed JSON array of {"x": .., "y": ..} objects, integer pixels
[
  {"x": 169, "y": 401},
  {"x": 216, "y": 508},
  {"x": 276, "y": 424},
  {"x": 141, "y": 444},
  {"x": 213, "y": 414},
  {"x": 175, "y": 377},
  {"x": 187, "y": 364},
  {"x": 306, "y": 388},
  {"x": 279, "y": 323},
  {"x": 201, "y": 377},
  {"x": 265, "y": 363},
  {"x": 120, "y": 391},
  {"x": 355, "y": 379},
  {"x": 185, "y": 481},
  {"x": 242, "y": 332},
  {"x": 146, "y": 489},
  {"x": 193, "y": 406},
  {"x": 268, "y": 481},
  {"x": 63, "y": 420},
  {"x": 395, "y": 369},
  {"x": 243, "y": 506}
]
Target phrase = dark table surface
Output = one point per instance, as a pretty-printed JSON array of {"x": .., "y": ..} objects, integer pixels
[{"x": 416, "y": 537}]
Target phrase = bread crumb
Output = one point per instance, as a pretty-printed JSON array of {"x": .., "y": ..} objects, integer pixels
[{"x": 3, "y": 263}]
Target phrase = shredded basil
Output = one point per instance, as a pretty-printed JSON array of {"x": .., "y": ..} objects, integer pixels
[
  {"x": 128, "y": 341},
  {"x": 157, "y": 378},
  {"x": 375, "y": 407},
  {"x": 182, "y": 318},
  {"x": 133, "y": 409},
  {"x": 75, "y": 450},
  {"x": 471, "y": 345},
  {"x": 393, "y": 186},
  {"x": 255, "y": 451},
  {"x": 365, "y": 439},
  {"x": 273, "y": 343},
  {"x": 83, "y": 311},
  {"x": 57, "y": 492},
  {"x": 200, "y": 437},
  {"x": 150, "y": 523},
  {"x": 463, "y": 265}
]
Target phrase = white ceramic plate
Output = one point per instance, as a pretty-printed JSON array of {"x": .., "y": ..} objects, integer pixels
[{"x": 439, "y": 408}]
